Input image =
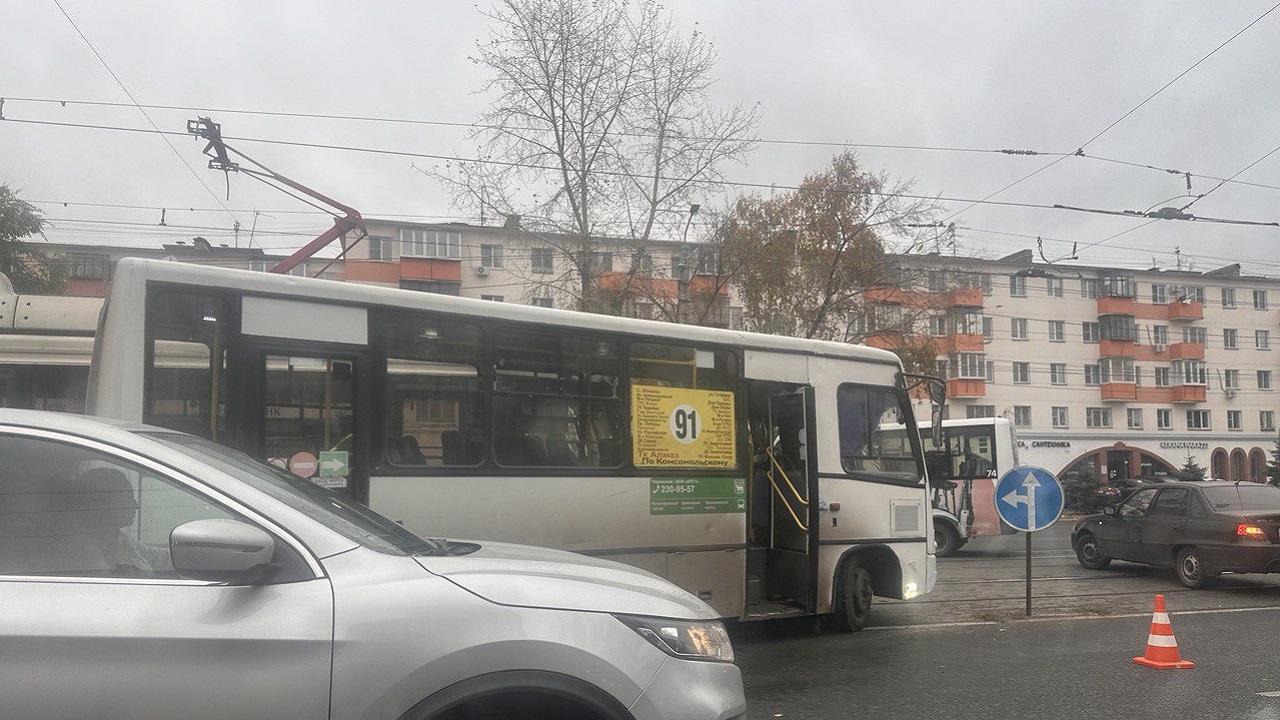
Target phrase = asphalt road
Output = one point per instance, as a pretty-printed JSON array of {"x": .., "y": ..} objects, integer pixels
[{"x": 968, "y": 651}]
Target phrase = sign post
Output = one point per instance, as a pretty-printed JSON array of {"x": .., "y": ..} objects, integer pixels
[{"x": 1029, "y": 499}]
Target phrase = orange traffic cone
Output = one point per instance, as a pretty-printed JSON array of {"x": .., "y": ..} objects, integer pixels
[{"x": 1162, "y": 648}]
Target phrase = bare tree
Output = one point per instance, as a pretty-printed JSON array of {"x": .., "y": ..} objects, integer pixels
[
  {"x": 813, "y": 259},
  {"x": 600, "y": 129}
]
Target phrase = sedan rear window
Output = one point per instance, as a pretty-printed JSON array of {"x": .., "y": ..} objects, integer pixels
[{"x": 1243, "y": 497}]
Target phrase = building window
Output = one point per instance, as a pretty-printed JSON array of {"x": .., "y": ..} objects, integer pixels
[
  {"x": 1119, "y": 327},
  {"x": 430, "y": 244},
  {"x": 1234, "y": 420},
  {"x": 984, "y": 282},
  {"x": 991, "y": 372},
  {"x": 1097, "y": 417},
  {"x": 1162, "y": 376},
  {"x": 1090, "y": 288},
  {"x": 1058, "y": 373},
  {"x": 1198, "y": 420},
  {"x": 544, "y": 302},
  {"x": 1192, "y": 293},
  {"x": 964, "y": 323},
  {"x": 493, "y": 298},
  {"x": 1159, "y": 295},
  {"x": 968, "y": 365},
  {"x": 1022, "y": 415},
  {"x": 1230, "y": 339},
  {"x": 938, "y": 325},
  {"x": 1160, "y": 334},
  {"x": 940, "y": 369},
  {"x": 1018, "y": 328},
  {"x": 1264, "y": 379},
  {"x": 1022, "y": 372},
  {"x": 1092, "y": 332},
  {"x": 1057, "y": 331},
  {"x": 988, "y": 331},
  {"x": 88, "y": 266},
  {"x": 1053, "y": 287},
  {"x": 1118, "y": 370},
  {"x": 1262, "y": 339},
  {"x": 439, "y": 287},
  {"x": 1259, "y": 299},
  {"x": 1267, "y": 420},
  {"x": 598, "y": 262},
  {"x": 1229, "y": 298},
  {"x": 1231, "y": 379},
  {"x": 1059, "y": 416},
  {"x": 1018, "y": 285},
  {"x": 642, "y": 263},
  {"x": 1092, "y": 374},
  {"x": 1195, "y": 335},
  {"x": 491, "y": 256},
  {"x": 980, "y": 411},
  {"x": 1190, "y": 372},
  {"x": 381, "y": 248},
  {"x": 1134, "y": 418},
  {"x": 541, "y": 259},
  {"x": 1164, "y": 419}
]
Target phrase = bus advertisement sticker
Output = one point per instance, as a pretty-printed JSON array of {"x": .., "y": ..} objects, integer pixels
[{"x": 689, "y": 496}]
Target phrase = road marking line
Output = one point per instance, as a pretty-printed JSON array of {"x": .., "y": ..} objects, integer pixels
[
  {"x": 1273, "y": 693},
  {"x": 1054, "y": 618},
  {"x": 929, "y": 626}
]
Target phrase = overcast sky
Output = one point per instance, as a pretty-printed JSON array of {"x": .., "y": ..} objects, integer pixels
[{"x": 983, "y": 75}]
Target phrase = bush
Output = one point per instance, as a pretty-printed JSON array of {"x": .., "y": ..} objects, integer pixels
[{"x": 1080, "y": 490}]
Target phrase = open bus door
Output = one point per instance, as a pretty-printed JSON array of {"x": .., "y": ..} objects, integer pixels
[
  {"x": 304, "y": 409},
  {"x": 783, "y": 510}
]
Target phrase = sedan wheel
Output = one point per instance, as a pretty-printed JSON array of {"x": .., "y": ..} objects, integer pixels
[
  {"x": 1192, "y": 570},
  {"x": 1090, "y": 554}
]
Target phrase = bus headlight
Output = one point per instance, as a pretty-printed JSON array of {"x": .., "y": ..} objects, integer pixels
[{"x": 686, "y": 639}]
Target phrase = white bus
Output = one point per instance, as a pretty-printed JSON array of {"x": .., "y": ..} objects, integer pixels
[
  {"x": 963, "y": 471},
  {"x": 749, "y": 469}
]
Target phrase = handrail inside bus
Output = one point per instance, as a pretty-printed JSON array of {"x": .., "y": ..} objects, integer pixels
[{"x": 781, "y": 496}]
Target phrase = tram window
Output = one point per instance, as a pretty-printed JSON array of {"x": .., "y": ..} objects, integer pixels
[
  {"x": 187, "y": 376},
  {"x": 682, "y": 367},
  {"x": 556, "y": 401},
  {"x": 434, "y": 401},
  {"x": 871, "y": 442}
]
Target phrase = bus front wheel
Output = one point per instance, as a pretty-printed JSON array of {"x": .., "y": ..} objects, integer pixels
[
  {"x": 946, "y": 539},
  {"x": 855, "y": 597}
]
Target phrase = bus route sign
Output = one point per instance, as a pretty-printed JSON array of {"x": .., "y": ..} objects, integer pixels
[
  {"x": 682, "y": 427},
  {"x": 1029, "y": 498},
  {"x": 689, "y": 496}
]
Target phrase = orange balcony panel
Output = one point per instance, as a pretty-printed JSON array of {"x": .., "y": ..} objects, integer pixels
[
  {"x": 1186, "y": 351},
  {"x": 885, "y": 295},
  {"x": 1188, "y": 393},
  {"x": 1186, "y": 311},
  {"x": 1117, "y": 348},
  {"x": 964, "y": 297},
  {"x": 884, "y": 342},
  {"x": 373, "y": 271},
  {"x": 961, "y": 388},
  {"x": 960, "y": 342},
  {"x": 1119, "y": 392},
  {"x": 1115, "y": 306},
  {"x": 1155, "y": 395},
  {"x": 424, "y": 269}
]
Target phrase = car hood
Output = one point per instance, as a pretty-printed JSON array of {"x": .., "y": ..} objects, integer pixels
[{"x": 527, "y": 576}]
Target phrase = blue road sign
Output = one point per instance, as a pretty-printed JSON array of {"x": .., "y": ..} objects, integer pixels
[{"x": 1029, "y": 498}]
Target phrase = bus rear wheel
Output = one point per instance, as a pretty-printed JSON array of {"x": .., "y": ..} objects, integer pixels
[
  {"x": 946, "y": 540},
  {"x": 854, "y": 606}
]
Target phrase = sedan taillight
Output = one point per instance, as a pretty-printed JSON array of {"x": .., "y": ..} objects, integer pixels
[{"x": 1250, "y": 531}]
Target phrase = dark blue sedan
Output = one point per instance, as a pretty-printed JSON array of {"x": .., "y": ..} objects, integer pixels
[{"x": 1200, "y": 529}]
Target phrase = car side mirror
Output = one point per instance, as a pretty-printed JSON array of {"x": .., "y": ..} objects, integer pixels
[
  {"x": 1109, "y": 510},
  {"x": 221, "y": 550}
]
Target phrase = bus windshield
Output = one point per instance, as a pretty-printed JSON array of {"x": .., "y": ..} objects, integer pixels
[
  {"x": 966, "y": 453},
  {"x": 870, "y": 442}
]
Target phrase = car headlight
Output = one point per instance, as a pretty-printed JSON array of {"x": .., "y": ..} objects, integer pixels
[{"x": 687, "y": 639}]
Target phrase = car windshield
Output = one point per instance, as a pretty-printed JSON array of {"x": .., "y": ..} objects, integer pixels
[
  {"x": 1244, "y": 497},
  {"x": 330, "y": 509}
]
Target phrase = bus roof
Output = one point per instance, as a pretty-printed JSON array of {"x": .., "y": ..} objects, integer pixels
[{"x": 136, "y": 272}]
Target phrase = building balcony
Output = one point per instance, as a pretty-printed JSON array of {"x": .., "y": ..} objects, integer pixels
[
  {"x": 960, "y": 342},
  {"x": 963, "y": 297},
  {"x": 1115, "y": 306},
  {"x": 1117, "y": 348},
  {"x": 966, "y": 388},
  {"x": 1189, "y": 393},
  {"x": 1186, "y": 311},
  {"x": 1119, "y": 392},
  {"x": 1186, "y": 351},
  {"x": 884, "y": 342}
]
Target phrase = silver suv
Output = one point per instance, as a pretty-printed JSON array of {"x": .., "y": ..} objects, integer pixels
[{"x": 150, "y": 574}]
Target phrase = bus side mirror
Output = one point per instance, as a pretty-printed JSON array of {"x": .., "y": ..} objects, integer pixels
[{"x": 936, "y": 422}]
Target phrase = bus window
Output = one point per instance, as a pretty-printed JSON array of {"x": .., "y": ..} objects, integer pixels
[
  {"x": 682, "y": 367},
  {"x": 556, "y": 401},
  {"x": 870, "y": 441},
  {"x": 970, "y": 453},
  {"x": 434, "y": 402},
  {"x": 186, "y": 379}
]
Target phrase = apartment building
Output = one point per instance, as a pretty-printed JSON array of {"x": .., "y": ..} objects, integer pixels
[{"x": 1130, "y": 372}]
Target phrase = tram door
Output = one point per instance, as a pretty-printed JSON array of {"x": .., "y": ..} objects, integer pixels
[{"x": 782, "y": 512}]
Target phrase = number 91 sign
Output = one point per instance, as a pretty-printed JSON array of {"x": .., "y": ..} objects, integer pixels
[{"x": 685, "y": 424}]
